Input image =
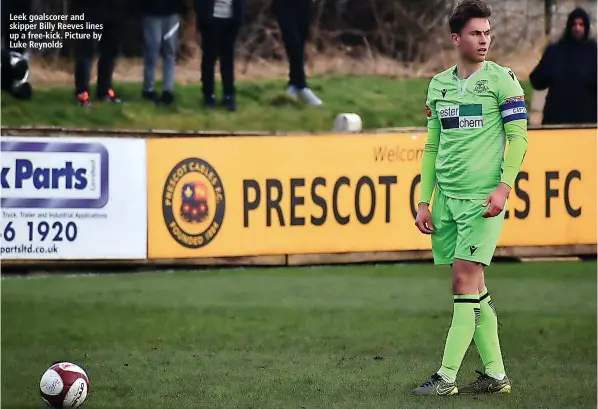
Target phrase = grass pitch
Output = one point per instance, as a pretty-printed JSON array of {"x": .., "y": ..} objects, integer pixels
[{"x": 325, "y": 337}]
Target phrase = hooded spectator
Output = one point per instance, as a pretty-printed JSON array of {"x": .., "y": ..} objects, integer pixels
[{"x": 568, "y": 70}]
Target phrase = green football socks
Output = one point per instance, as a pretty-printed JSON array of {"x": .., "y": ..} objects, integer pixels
[
  {"x": 466, "y": 315},
  {"x": 486, "y": 338}
]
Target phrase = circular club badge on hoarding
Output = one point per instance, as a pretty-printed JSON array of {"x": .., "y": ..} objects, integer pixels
[{"x": 193, "y": 203}]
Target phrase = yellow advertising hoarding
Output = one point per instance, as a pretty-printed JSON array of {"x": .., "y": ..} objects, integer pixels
[{"x": 246, "y": 196}]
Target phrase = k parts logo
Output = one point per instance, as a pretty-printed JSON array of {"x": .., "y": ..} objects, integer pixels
[
  {"x": 43, "y": 178},
  {"x": 54, "y": 175}
]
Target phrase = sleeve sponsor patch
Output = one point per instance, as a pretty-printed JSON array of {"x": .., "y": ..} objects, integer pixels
[
  {"x": 513, "y": 109},
  {"x": 515, "y": 99},
  {"x": 428, "y": 111}
]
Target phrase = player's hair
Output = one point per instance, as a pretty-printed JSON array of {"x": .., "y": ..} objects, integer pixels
[{"x": 465, "y": 11}]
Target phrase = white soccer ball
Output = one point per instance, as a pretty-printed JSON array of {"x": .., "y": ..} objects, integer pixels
[
  {"x": 348, "y": 122},
  {"x": 64, "y": 386}
]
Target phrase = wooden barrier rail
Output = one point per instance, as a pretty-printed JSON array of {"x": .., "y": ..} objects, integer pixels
[
  {"x": 58, "y": 131},
  {"x": 579, "y": 250}
]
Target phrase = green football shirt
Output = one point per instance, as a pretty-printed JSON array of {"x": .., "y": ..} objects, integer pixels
[{"x": 469, "y": 118}]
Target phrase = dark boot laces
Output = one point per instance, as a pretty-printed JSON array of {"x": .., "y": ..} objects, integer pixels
[
  {"x": 433, "y": 379},
  {"x": 481, "y": 378}
]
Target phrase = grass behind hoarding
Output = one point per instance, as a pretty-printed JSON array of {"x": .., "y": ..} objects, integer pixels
[
  {"x": 325, "y": 337},
  {"x": 263, "y": 106}
]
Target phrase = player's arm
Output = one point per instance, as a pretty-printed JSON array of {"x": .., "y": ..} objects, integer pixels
[
  {"x": 511, "y": 101},
  {"x": 428, "y": 166},
  {"x": 423, "y": 221}
]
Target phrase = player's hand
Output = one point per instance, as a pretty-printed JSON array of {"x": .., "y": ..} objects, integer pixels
[
  {"x": 423, "y": 221},
  {"x": 496, "y": 201}
]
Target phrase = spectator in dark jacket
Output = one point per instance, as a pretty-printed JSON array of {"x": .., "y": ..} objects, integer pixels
[
  {"x": 218, "y": 22},
  {"x": 160, "y": 34},
  {"x": 294, "y": 19},
  {"x": 568, "y": 70},
  {"x": 112, "y": 14}
]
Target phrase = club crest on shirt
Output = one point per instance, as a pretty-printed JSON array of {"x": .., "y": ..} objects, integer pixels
[{"x": 481, "y": 86}]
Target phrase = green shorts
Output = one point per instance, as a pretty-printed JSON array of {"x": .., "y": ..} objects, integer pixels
[{"x": 462, "y": 232}]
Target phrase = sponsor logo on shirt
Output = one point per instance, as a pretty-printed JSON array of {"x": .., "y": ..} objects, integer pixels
[{"x": 461, "y": 116}]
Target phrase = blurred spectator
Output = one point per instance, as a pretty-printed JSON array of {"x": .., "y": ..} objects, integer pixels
[
  {"x": 218, "y": 22},
  {"x": 568, "y": 70},
  {"x": 294, "y": 19},
  {"x": 160, "y": 34},
  {"x": 15, "y": 74},
  {"x": 111, "y": 14}
]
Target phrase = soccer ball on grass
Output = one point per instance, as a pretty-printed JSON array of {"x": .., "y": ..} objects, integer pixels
[{"x": 64, "y": 386}]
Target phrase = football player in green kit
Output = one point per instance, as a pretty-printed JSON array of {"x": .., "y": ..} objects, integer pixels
[{"x": 473, "y": 109}]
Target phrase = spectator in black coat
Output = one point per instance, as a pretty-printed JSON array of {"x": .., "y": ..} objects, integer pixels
[
  {"x": 219, "y": 21},
  {"x": 568, "y": 70},
  {"x": 112, "y": 14},
  {"x": 294, "y": 19}
]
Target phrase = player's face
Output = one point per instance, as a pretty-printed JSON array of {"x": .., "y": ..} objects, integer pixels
[
  {"x": 474, "y": 41},
  {"x": 578, "y": 29}
]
